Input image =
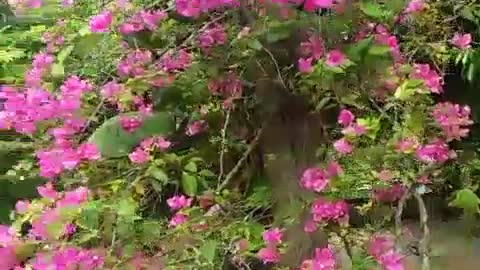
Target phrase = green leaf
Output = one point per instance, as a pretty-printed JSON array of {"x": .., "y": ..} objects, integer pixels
[
  {"x": 376, "y": 11},
  {"x": 379, "y": 50},
  {"x": 467, "y": 200},
  {"x": 113, "y": 141},
  {"x": 63, "y": 54},
  {"x": 189, "y": 184},
  {"x": 90, "y": 217},
  {"x": 191, "y": 167},
  {"x": 255, "y": 44},
  {"x": 208, "y": 250},
  {"x": 158, "y": 174},
  {"x": 58, "y": 70},
  {"x": 404, "y": 92},
  {"x": 126, "y": 208},
  {"x": 87, "y": 44}
]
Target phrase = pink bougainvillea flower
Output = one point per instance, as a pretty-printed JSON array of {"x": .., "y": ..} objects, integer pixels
[
  {"x": 335, "y": 58},
  {"x": 385, "y": 175},
  {"x": 47, "y": 191},
  {"x": 74, "y": 197},
  {"x": 345, "y": 118},
  {"x": 130, "y": 124},
  {"x": 315, "y": 179},
  {"x": 305, "y": 65},
  {"x": 354, "y": 130},
  {"x": 334, "y": 169},
  {"x": 415, "y": 6},
  {"x": 323, "y": 3},
  {"x": 8, "y": 258},
  {"x": 101, "y": 23},
  {"x": 22, "y": 206},
  {"x": 453, "y": 119},
  {"x": 310, "y": 226},
  {"x": 273, "y": 236},
  {"x": 389, "y": 194},
  {"x": 196, "y": 127},
  {"x": 462, "y": 41},
  {"x": 179, "y": 202},
  {"x": 269, "y": 255},
  {"x": 432, "y": 80},
  {"x": 67, "y": 3},
  {"x": 435, "y": 152},
  {"x": 324, "y": 211},
  {"x": 343, "y": 146},
  {"x": 178, "y": 219},
  {"x": 406, "y": 145},
  {"x": 139, "y": 156}
]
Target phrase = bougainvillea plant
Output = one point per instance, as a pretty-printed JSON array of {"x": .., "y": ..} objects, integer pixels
[{"x": 143, "y": 114}]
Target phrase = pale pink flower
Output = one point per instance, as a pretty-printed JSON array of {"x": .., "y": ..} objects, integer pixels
[
  {"x": 310, "y": 226},
  {"x": 47, "y": 191},
  {"x": 389, "y": 194},
  {"x": 406, "y": 145},
  {"x": 343, "y": 146},
  {"x": 101, "y": 23},
  {"x": 335, "y": 58},
  {"x": 462, "y": 41},
  {"x": 354, "y": 130},
  {"x": 334, "y": 169},
  {"x": 22, "y": 206},
  {"x": 178, "y": 219},
  {"x": 139, "y": 156},
  {"x": 269, "y": 255}
]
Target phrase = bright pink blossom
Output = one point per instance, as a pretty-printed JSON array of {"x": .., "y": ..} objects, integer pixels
[
  {"x": 345, "y": 118},
  {"x": 335, "y": 58},
  {"x": 273, "y": 236},
  {"x": 435, "y": 152},
  {"x": 305, "y": 65},
  {"x": 453, "y": 119},
  {"x": 415, "y": 6},
  {"x": 101, "y": 23},
  {"x": 22, "y": 206},
  {"x": 325, "y": 211},
  {"x": 432, "y": 80},
  {"x": 179, "y": 202},
  {"x": 212, "y": 36},
  {"x": 389, "y": 194},
  {"x": 315, "y": 179},
  {"x": 130, "y": 123}
]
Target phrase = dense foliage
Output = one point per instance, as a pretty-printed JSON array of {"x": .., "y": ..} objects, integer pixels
[{"x": 196, "y": 134}]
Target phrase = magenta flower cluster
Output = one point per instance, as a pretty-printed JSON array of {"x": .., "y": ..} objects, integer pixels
[{"x": 453, "y": 119}]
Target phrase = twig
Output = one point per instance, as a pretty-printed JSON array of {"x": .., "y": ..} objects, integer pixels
[
  {"x": 92, "y": 115},
  {"x": 239, "y": 164},
  {"x": 223, "y": 144},
  {"x": 399, "y": 213},
  {"x": 277, "y": 67},
  {"x": 424, "y": 242}
]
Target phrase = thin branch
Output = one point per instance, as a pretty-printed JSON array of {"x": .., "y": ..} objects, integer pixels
[
  {"x": 239, "y": 164},
  {"x": 277, "y": 67},
  {"x": 399, "y": 213},
  {"x": 223, "y": 145},
  {"x": 93, "y": 114},
  {"x": 424, "y": 242}
]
